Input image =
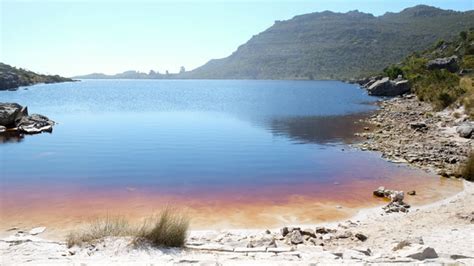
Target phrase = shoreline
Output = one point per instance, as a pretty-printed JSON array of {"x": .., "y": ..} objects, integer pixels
[{"x": 410, "y": 233}]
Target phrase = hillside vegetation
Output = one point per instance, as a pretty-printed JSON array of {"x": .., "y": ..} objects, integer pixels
[
  {"x": 442, "y": 87},
  {"x": 12, "y": 77},
  {"x": 328, "y": 45}
]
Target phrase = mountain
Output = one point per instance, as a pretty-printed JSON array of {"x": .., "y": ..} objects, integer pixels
[
  {"x": 131, "y": 74},
  {"x": 328, "y": 45},
  {"x": 12, "y": 77}
]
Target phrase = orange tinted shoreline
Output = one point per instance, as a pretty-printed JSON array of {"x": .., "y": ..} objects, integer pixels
[{"x": 62, "y": 209}]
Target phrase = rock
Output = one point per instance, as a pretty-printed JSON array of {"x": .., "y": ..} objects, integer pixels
[
  {"x": 2, "y": 129},
  {"x": 411, "y": 192},
  {"x": 449, "y": 63},
  {"x": 37, "y": 230},
  {"x": 419, "y": 126},
  {"x": 361, "y": 236},
  {"x": 397, "y": 196},
  {"x": 284, "y": 231},
  {"x": 35, "y": 124},
  {"x": 10, "y": 114},
  {"x": 296, "y": 238},
  {"x": 386, "y": 87},
  {"x": 324, "y": 230},
  {"x": 308, "y": 232},
  {"x": 418, "y": 252},
  {"x": 345, "y": 234},
  {"x": 465, "y": 130},
  {"x": 380, "y": 192}
]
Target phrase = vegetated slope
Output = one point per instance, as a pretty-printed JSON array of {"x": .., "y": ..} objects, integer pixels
[
  {"x": 12, "y": 77},
  {"x": 442, "y": 83},
  {"x": 328, "y": 45}
]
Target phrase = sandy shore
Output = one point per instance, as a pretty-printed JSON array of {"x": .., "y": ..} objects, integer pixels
[
  {"x": 445, "y": 227},
  {"x": 439, "y": 232}
]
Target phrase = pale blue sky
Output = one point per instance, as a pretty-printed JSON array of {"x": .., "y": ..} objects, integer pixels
[{"x": 80, "y": 37}]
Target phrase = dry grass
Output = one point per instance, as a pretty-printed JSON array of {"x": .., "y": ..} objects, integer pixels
[
  {"x": 467, "y": 170},
  {"x": 466, "y": 83},
  {"x": 98, "y": 229},
  {"x": 167, "y": 229}
]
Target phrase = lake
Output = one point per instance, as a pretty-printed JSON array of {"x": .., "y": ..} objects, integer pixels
[{"x": 233, "y": 153}]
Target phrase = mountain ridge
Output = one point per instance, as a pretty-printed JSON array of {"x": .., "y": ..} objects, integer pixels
[{"x": 330, "y": 45}]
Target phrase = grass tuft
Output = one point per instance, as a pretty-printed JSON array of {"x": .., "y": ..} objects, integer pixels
[
  {"x": 167, "y": 229},
  {"x": 98, "y": 229}
]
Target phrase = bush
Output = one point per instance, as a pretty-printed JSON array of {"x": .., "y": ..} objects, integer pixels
[
  {"x": 393, "y": 71},
  {"x": 440, "y": 87},
  {"x": 468, "y": 168},
  {"x": 168, "y": 229}
]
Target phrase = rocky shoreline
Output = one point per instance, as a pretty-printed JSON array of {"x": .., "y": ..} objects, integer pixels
[
  {"x": 408, "y": 131},
  {"x": 15, "y": 118}
]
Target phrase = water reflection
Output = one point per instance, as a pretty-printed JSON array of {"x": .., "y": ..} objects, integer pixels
[
  {"x": 11, "y": 137},
  {"x": 318, "y": 129}
]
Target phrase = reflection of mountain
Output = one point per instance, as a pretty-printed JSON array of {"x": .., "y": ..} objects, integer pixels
[
  {"x": 318, "y": 129},
  {"x": 11, "y": 136}
]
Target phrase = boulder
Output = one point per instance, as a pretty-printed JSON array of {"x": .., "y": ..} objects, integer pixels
[
  {"x": 448, "y": 63},
  {"x": 379, "y": 192},
  {"x": 387, "y": 87},
  {"x": 35, "y": 123},
  {"x": 10, "y": 114},
  {"x": 361, "y": 237},
  {"x": 296, "y": 237},
  {"x": 418, "y": 252},
  {"x": 2, "y": 129},
  {"x": 465, "y": 130}
]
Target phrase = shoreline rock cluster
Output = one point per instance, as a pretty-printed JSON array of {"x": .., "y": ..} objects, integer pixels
[
  {"x": 406, "y": 130},
  {"x": 396, "y": 200},
  {"x": 14, "y": 117},
  {"x": 384, "y": 86}
]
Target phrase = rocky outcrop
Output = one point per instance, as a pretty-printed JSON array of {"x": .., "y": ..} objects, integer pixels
[
  {"x": 448, "y": 63},
  {"x": 387, "y": 87},
  {"x": 14, "y": 117},
  {"x": 384, "y": 86}
]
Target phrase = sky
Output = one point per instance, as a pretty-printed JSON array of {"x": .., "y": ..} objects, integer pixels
[{"x": 81, "y": 37}]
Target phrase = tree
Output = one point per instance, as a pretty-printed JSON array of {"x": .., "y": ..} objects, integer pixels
[
  {"x": 463, "y": 35},
  {"x": 182, "y": 69},
  {"x": 167, "y": 72}
]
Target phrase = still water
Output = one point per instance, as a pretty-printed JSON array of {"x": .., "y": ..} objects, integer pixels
[{"x": 212, "y": 143}]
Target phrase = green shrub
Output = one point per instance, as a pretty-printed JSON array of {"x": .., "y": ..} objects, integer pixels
[
  {"x": 468, "y": 61},
  {"x": 393, "y": 71},
  {"x": 440, "y": 87}
]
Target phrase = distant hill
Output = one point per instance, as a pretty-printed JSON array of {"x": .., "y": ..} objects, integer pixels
[
  {"x": 12, "y": 77},
  {"x": 131, "y": 74},
  {"x": 328, "y": 45}
]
